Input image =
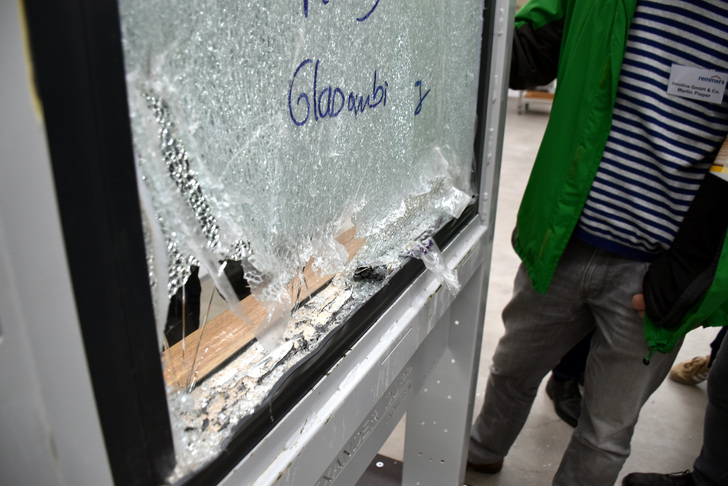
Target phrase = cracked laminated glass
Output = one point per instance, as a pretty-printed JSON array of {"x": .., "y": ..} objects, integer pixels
[{"x": 288, "y": 155}]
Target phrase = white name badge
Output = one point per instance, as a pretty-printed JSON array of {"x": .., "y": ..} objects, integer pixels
[{"x": 697, "y": 83}]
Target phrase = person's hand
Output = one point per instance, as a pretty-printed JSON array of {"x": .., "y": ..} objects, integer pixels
[{"x": 638, "y": 304}]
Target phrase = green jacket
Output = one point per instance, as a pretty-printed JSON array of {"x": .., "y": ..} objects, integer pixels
[{"x": 582, "y": 44}]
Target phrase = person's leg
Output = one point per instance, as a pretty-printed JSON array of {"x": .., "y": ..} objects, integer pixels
[
  {"x": 711, "y": 466},
  {"x": 617, "y": 383},
  {"x": 715, "y": 345},
  {"x": 564, "y": 382},
  {"x": 183, "y": 313},
  {"x": 539, "y": 330},
  {"x": 572, "y": 365}
]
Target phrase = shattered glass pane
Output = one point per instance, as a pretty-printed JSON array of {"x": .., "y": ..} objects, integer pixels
[{"x": 301, "y": 142}]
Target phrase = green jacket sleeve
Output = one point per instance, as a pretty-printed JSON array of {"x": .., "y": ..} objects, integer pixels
[
  {"x": 687, "y": 286},
  {"x": 589, "y": 61},
  {"x": 539, "y": 26},
  {"x": 680, "y": 276},
  {"x": 710, "y": 310}
]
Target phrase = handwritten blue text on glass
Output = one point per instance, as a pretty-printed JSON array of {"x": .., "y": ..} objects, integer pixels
[
  {"x": 326, "y": 2},
  {"x": 330, "y": 101}
]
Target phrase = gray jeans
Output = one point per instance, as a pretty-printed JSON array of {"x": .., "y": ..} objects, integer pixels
[
  {"x": 711, "y": 467},
  {"x": 591, "y": 288}
]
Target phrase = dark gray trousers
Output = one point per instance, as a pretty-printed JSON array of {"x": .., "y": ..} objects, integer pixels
[{"x": 591, "y": 289}]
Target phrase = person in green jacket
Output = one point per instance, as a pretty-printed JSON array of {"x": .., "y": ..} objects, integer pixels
[{"x": 621, "y": 215}]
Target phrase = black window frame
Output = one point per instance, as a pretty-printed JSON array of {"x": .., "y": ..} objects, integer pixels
[{"x": 79, "y": 76}]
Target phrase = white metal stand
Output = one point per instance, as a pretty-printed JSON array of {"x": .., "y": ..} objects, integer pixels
[{"x": 419, "y": 357}]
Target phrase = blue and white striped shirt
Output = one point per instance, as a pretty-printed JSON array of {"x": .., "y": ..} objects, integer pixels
[{"x": 660, "y": 145}]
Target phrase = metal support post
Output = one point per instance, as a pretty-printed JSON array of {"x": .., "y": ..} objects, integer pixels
[{"x": 438, "y": 421}]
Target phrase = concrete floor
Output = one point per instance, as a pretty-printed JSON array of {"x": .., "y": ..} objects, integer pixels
[{"x": 669, "y": 434}]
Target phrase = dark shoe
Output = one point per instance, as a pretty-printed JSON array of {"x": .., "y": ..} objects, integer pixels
[
  {"x": 486, "y": 468},
  {"x": 684, "y": 478},
  {"x": 567, "y": 399}
]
